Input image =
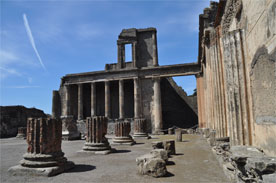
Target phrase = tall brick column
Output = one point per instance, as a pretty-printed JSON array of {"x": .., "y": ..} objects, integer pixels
[
  {"x": 95, "y": 137},
  {"x": 140, "y": 128},
  {"x": 44, "y": 155},
  {"x": 122, "y": 130}
]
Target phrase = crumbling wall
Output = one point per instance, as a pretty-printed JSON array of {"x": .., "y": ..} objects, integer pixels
[
  {"x": 12, "y": 117},
  {"x": 236, "y": 89}
]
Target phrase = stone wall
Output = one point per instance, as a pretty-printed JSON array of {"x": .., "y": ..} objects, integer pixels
[
  {"x": 236, "y": 89},
  {"x": 13, "y": 117}
]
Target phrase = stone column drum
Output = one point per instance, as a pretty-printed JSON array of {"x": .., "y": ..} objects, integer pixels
[
  {"x": 95, "y": 138},
  {"x": 122, "y": 130},
  {"x": 140, "y": 128},
  {"x": 21, "y": 133},
  {"x": 44, "y": 155}
]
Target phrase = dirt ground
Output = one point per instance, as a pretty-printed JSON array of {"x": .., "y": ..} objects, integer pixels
[{"x": 194, "y": 162}]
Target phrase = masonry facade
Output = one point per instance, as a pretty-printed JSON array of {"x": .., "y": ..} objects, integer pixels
[
  {"x": 129, "y": 90},
  {"x": 237, "y": 85}
]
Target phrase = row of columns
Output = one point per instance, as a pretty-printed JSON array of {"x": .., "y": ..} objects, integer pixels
[{"x": 157, "y": 107}]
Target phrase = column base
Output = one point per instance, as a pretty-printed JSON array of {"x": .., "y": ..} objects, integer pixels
[
  {"x": 42, "y": 165},
  {"x": 141, "y": 135},
  {"x": 123, "y": 141},
  {"x": 21, "y": 136},
  {"x": 66, "y": 135},
  {"x": 96, "y": 146},
  {"x": 158, "y": 133},
  {"x": 81, "y": 126}
]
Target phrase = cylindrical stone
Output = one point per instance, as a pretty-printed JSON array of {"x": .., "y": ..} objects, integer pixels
[
  {"x": 157, "y": 106},
  {"x": 137, "y": 110},
  {"x": 96, "y": 131},
  {"x": 122, "y": 130},
  {"x": 44, "y": 143},
  {"x": 80, "y": 101},
  {"x": 67, "y": 106},
  {"x": 121, "y": 100},
  {"x": 178, "y": 134},
  {"x": 140, "y": 128},
  {"x": 107, "y": 99},
  {"x": 93, "y": 99}
]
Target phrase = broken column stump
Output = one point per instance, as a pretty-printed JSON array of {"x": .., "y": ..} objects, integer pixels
[
  {"x": 44, "y": 156},
  {"x": 169, "y": 146},
  {"x": 122, "y": 137},
  {"x": 178, "y": 134},
  {"x": 21, "y": 133},
  {"x": 69, "y": 128},
  {"x": 95, "y": 138},
  {"x": 140, "y": 128},
  {"x": 171, "y": 131}
]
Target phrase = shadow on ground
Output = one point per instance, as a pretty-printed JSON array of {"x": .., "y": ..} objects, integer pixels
[
  {"x": 81, "y": 168},
  {"x": 122, "y": 151}
]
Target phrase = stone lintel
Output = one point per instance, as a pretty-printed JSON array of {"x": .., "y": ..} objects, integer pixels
[{"x": 149, "y": 72}]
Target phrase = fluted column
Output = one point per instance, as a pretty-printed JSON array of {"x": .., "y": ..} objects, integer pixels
[
  {"x": 80, "y": 101},
  {"x": 157, "y": 106},
  {"x": 44, "y": 155},
  {"x": 93, "y": 99},
  {"x": 107, "y": 99},
  {"x": 140, "y": 128},
  {"x": 137, "y": 98},
  {"x": 122, "y": 130},
  {"x": 121, "y": 100},
  {"x": 95, "y": 137}
]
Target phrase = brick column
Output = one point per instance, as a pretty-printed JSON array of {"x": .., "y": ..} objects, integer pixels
[
  {"x": 122, "y": 130},
  {"x": 67, "y": 106},
  {"x": 140, "y": 128},
  {"x": 80, "y": 101},
  {"x": 44, "y": 149},
  {"x": 121, "y": 100},
  {"x": 157, "y": 106},
  {"x": 95, "y": 137},
  {"x": 107, "y": 99},
  {"x": 93, "y": 99}
]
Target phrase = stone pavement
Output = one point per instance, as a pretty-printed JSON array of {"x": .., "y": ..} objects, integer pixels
[{"x": 194, "y": 162}]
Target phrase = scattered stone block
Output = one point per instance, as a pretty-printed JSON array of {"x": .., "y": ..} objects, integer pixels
[
  {"x": 206, "y": 132},
  {"x": 264, "y": 165},
  {"x": 157, "y": 145},
  {"x": 169, "y": 146},
  {"x": 212, "y": 138},
  {"x": 160, "y": 153},
  {"x": 241, "y": 153},
  {"x": 148, "y": 165},
  {"x": 269, "y": 178}
]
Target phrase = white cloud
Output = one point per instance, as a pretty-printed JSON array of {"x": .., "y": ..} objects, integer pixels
[
  {"x": 29, "y": 32},
  {"x": 4, "y": 72},
  {"x": 23, "y": 86},
  {"x": 7, "y": 57}
]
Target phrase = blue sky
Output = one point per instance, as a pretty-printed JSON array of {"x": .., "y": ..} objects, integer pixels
[{"x": 80, "y": 36}]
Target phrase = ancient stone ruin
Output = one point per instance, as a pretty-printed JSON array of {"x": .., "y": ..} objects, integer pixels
[
  {"x": 132, "y": 90},
  {"x": 44, "y": 155},
  {"x": 95, "y": 138}
]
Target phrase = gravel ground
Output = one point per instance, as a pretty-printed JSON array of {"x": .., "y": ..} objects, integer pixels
[{"x": 194, "y": 162}]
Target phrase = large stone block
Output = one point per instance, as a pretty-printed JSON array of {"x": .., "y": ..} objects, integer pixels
[{"x": 149, "y": 165}]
